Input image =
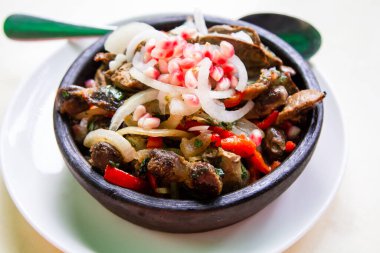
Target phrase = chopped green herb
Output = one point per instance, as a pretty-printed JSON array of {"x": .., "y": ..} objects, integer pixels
[
  {"x": 117, "y": 94},
  {"x": 113, "y": 164},
  {"x": 244, "y": 172},
  {"x": 91, "y": 126},
  {"x": 227, "y": 125},
  {"x": 220, "y": 172},
  {"x": 65, "y": 94},
  {"x": 198, "y": 143},
  {"x": 144, "y": 166}
]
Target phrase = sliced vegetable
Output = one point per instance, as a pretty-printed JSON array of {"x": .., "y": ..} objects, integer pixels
[
  {"x": 123, "y": 179},
  {"x": 172, "y": 122},
  {"x": 111, "y": 137},
  {"x": 239, "y": 145},
  {"x": 221, "y": 132},
  {"x": 257, "y": 163},
  {"x": 195, "y": 146},
  {"x": 152, "y": 181},
  {"x": 268, "y": 121},
  {"x": 275, "y": 165},
  {"x": 155, "y": 142},
  {"x": 155, "y": 132},
  {"x": 289, "y": 146},
  {"x": 242, "y": 72},
  {"x": 130, "y": 106}
]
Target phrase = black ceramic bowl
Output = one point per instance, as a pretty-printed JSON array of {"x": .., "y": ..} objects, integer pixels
[{"x": 188, "y": 216}]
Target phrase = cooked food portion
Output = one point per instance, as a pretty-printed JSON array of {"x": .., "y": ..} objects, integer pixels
[{"x": 188, "y": 113}]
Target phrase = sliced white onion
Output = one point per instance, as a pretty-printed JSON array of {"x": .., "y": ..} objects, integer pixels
[
  {"x": 138, "y": 75},
  {"x": 242, "y": 72},
  {"x": 200, "y": 22},
  {"x": 172, "y": 122},
  {"x": 119, "y": 142},
  {"x": 243, "y": 36},
  {"x": 138, "y": 62},
  {"x": 178, "y": 107},
  {"x": 118, "y": 40},
  {"x": 143, "y": 36},
  {"x": 130, "y": 105},
  {"x": 155, "y": 132},
  {"x": 198, "y": 128},
  {"x": 222, "y": 94},
  {"x": 189, "y": 24},
  {"x": 209, "y": 105},
  {"x": 119, "y": 59}
]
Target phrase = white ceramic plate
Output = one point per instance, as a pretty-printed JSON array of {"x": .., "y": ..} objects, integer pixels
[{"x": 65, "y": 214}]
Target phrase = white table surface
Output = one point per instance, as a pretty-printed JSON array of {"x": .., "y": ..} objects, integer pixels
[{"x": 348, "y": 59}]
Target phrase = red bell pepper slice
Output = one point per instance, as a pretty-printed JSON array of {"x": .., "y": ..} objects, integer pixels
[
  {"x": 257, "y": 162},
  {"x": 239, "y": 145},
  {"x": 233, "y": 101},
  {"x": 215, "y": 138},
  {"x": 155, "y": 142},
  {"x": 123, "y": 179},
  {"x": 152, "y": 181},
  {"x": 223, "y": 133},
  {"x": 268, "y": 121},
  {"x": 289, "y": 146}
]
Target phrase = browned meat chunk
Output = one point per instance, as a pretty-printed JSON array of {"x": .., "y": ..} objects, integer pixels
[
  {"x": 100, "y": 77},
  {"x": 253, "y": 90},
  {"x": 228, "y": 30},
  {"x": 234, "y": 175},
  {"x": 122, "y": 79},
  {"x": 275, "y": 97},
  {"x": 205, "y": 182},
  {"x": 104, "y": 57},
  {"x": 298, "y": 103},
  {"x": 200, "y": 177},
  {"x": 102, "y": 154},
  {"x": 274, "y": 143},
  {"x": 70, "y": 102}
]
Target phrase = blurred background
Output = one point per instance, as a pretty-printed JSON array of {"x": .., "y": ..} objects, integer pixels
[{"x": 347, "y": 60}]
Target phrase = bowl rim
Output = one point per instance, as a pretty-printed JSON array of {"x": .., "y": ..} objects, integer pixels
[{"x": 79, "y": 165}]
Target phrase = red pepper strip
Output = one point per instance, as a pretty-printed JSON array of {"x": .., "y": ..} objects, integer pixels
[
  {"x": 123, "y": 179},
  {"x": 155, "y": 142},
  {"x": 215, "y": 138},
  {"x": 289, "y": 146},
  {"x": 152, "y": 181},
  {"x": 268, "y": 121},
  {"x": 239, "y": 145},
  {"x": 222, "y": 132},
  {"x": 233, "y": 101},
  {"x": 275, "y": 164},
  {"x": 257, "y": 163}
]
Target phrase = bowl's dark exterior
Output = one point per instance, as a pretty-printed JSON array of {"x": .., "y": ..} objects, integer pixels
[{"x": 187, "y": 216}]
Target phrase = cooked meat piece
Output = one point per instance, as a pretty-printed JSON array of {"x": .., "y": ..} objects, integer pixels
[
  {"x": 200, "y": 177},
  {"x": 226, "y": 29},
  {"x": 233, "y": 178},
  {"x": 274, "y": 143},
  {"x": 168, "y": 166},
  {"x": 268, "y": 101},
  {"x": 100, "y": 77},
  {"x": 253, "y": 90},
  {"x": 123, "y": 80},
  {"x": 101, "y": 155},
  {"x": 298, "y": 103},
  {"x": 69, "y": 102},
  {"x": 104, "y": 57},
  {"x": 106, "y": 97},
  {"x": 205, "y": 182}
]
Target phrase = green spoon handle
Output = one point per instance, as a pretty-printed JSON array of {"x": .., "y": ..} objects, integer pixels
[{"x": 27, "y": 27}]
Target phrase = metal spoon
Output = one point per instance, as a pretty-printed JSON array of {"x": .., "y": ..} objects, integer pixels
[{"x": 300, "y": 34}]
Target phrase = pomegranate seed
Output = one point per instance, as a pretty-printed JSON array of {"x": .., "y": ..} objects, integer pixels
[
  {"x": 158, "y": 53},
  {"x": 234, "y": 81},
  {"x": 188, "y": 51},
  {"x": 178, "y": 50},
  {"x": 165, "y": 78},
  {"x": 173, "y": 65},
  {"x": 186, "y": 63},
  {"x": 256, "y": 137},
  {"x": 141, "y": 120},
  {"x": 147, "y": 57},
  {"x": 218, "y": 58},
  {"x": 177, "y": 78},
  {"x": 190, "y": 80},
  {"x": 216, "y": 73},
  {"x": 169, "y": 53},
  {"x": 90, "y": 83},
  {"x": 191, "y": 100},
  {"x": 197, "y": 56},
  {"x": 165, "y": 44},
  {"x": 229, "y": 69},
  {"x": 227, "y": 49},
  {"x": 223, "y": 84},
  {"x": 293, "y": 132},
  {"x": 150, "y": 123},
  {"x": 152, "y": 72},
  {"x": 150, "y": 45},
  {"x": 139, "y": 112},
  {"x": 163, "y": 66}
]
